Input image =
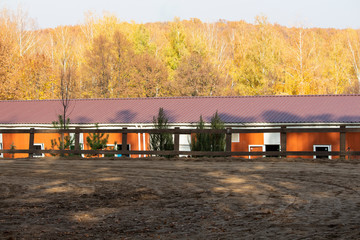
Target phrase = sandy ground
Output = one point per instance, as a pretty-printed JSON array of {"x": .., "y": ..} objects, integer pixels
[{"x": 179, "y": 199}]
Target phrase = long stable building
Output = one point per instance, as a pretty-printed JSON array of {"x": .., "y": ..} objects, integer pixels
[{"x": 319, "y": 111}]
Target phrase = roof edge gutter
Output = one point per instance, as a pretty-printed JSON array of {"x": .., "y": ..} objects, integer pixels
[{"x": 171, "y": 125}]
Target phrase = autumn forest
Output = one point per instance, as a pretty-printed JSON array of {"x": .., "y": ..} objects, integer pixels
[{"x": 107, "y": 58}]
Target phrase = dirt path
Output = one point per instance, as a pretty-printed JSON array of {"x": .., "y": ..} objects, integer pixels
[{"x": 142, "y": 199}]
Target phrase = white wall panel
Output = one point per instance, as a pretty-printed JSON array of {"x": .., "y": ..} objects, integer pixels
[
  {"x": 185, "y": 139},
  {"x": 271, "y": 138}
]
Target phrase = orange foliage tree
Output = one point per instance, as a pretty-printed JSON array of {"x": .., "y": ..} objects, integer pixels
[{"x": 107, "y": 58}]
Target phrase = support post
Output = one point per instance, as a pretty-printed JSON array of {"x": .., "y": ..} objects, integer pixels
[
  {"x": 123, "y": 143},
  {"x": 77, "y": 140},
  {"x": 228, "y": 141},
  {"x": 176, "y": 142},
  {"x": 31, "y": 142},
  {"x": 62, "y": 142},
  {"x": 342, "y": 142},
  {"x": 283, "y": 140}
]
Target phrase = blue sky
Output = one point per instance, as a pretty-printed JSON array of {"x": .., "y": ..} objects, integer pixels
[{"x": 307, "y": 13}]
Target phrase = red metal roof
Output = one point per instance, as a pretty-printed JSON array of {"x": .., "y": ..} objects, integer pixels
[{"x": 251, "y": 109}]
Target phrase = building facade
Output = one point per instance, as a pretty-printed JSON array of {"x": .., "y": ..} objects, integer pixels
[{"x": 252, "y": 112}]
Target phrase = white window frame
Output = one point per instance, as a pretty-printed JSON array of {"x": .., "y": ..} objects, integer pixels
[
  {"x": 250, "y": 146},
  {"x": 235, "y": 137},
  {"x": 328, "y": 146},
  {"x": 42, "y": 148}
]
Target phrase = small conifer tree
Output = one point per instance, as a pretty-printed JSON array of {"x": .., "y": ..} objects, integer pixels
[
  {"x": 217, "y": 140},
  {"x": 161, "y": 141},
  {"x": 209, "y": 142},
  {"x": 200, "y": 141},
  {"x": 63, "y": 142},
  {"x": 97, "y": 141}
]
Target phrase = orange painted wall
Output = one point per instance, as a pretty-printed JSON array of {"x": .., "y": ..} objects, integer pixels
[
  {"x": 305, "y": 141},
  {"x": 21, "y": 141},
  {"x": 300, "y": 141},
  {"x": 353, "y": 141},
  {"x": 247, "y": 139},
  {"x": 46, "y": 138},
  {"x": 132, "y": 139}
]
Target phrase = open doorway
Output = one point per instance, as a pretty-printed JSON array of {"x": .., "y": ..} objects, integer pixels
[{"x": 272, "y": 148}]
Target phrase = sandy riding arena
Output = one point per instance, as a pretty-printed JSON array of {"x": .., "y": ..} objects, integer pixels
[{"x": 179, "y": 199}]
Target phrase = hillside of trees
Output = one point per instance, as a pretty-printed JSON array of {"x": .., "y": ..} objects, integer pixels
[{"x": 106, "y": 58}]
